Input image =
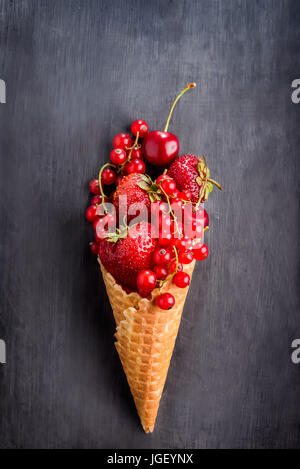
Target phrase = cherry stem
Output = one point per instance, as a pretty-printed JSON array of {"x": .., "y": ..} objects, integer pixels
[
  {"x": 191, "y": 85},
  {"x": 101, "y": 187}
]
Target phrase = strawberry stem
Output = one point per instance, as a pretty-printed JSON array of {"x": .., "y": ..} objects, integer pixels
[
  {"x": 215, "y": 183},
  {"x": 191, "y": 85}
]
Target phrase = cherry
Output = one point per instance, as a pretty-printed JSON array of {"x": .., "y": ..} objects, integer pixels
[
  {"x": 118, "y": 156},
  {"x": 168, "y": 186},
  {"x": 91, "y": 213},
  {"x": 96, "y": 200},
  {"x": 108, "y": 176},
  {"x": 200, "y": 251},
  {"x": 181, "y": 279},
  {"x": 94, "y": 247},
  {"x": 146, "y": 280},
  {"x": 140, "y": 127},
  {"x": 174, "y": 267},
  {"x": 162, "y": 147},
  {"x": 161, "y": 256},
  {"x": 122, "y": 141},
  {"x": 186, "y": 257},
  {"x": 134, "y": 166},
  {"x": 165, "y": 301},
  {"x": 94, "y": 187},
  {"x": 160, "y": 272},
  {"x": 136, "y": 153}
]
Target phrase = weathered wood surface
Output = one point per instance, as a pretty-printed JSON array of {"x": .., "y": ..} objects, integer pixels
[{"x": 78, "y": 72}]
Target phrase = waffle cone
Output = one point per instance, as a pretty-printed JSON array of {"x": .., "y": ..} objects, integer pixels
[{"x": 146, "y": 337}]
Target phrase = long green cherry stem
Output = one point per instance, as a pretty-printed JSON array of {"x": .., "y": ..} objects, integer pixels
[{"x": 191, "y": 85}]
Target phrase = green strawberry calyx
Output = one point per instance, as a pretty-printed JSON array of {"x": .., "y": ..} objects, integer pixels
[{"x": 204, "y": 181}]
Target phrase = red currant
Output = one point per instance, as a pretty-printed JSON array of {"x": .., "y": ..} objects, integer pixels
[
  {"x": 122, "y": 141},
  {"x": 161, "y": 256},
  {"x": 181, "y": 279},
  {"x": 160, "y": 272},
  {"x": 173, "y": 266},
  {"x": 96, "y": 200},
  {"x": 161, "y": 178},
  {"x": 94, "y": 187},
  {"x": 165, "y": 238},
  {"x": 95, "y": 222},
  {"x": 158, "y": 206},
  {"x": 91, "y": 213},
  {"x": 108, "y": 176},
  {"x": 134, "y": 166},
  {"x": 94, "y": 247},
  {"x": 136, "y": 153},
  {"x": 105, "y": 224},
  {"x": 185, "y": 195},
  {"x": 165, "y": 223},
  {"x": 186, "y": 257},
  {"x": 200, "y": 251},
  {"x": 206, "y": 219},
  {"x": 119, "y": 179},
  {"x": 118, "y": 156},
  {"x": 176, "y": 205},
  {"x": 182, "y": 243},
  {"x": 165, "y": 301},
  {"x": 146, "y": 280},
  {"x": 168, "y": 186},
  {"x": 141, "y": 127}
]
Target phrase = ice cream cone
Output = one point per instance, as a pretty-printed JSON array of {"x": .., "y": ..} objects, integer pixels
[{"x": 146, "y": 337}]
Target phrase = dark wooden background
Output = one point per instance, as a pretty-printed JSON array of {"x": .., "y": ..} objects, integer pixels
[{"x": 77, "y": 73}]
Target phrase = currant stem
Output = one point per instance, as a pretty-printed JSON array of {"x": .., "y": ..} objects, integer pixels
[
  {"x": 162, "y": 282},
  {"x": 120, "y": 168},
  {"x": 191, "y": 85},
  {"x": 133, "y": 146},
  {"x": 100, "y": 185},
  {"x": 171, "y": 211}
]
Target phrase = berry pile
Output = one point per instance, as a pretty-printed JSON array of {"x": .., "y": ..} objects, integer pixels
[{"x": 152, "y": 251}]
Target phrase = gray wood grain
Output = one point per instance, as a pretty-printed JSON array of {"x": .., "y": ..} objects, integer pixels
[{"x": 78, "y": 72}]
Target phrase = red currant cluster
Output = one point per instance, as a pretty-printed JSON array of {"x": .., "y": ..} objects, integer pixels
[
  {"x": 126, "y": 156},
  {"x": 176, "y": 248}
]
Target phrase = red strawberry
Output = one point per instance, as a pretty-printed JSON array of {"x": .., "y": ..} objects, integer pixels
[
  {"x": 127, "y": 256},
  {"x": 184, "y": 172},
  {"x": 191, "y": 173},
  {"x": 136, "y": 196}
]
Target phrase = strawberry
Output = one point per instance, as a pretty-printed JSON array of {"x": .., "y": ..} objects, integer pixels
[
  {"x": 136, "y": 196},
  {"x": 126, "y": 255},
  {"x": 191, "y": 173}
]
